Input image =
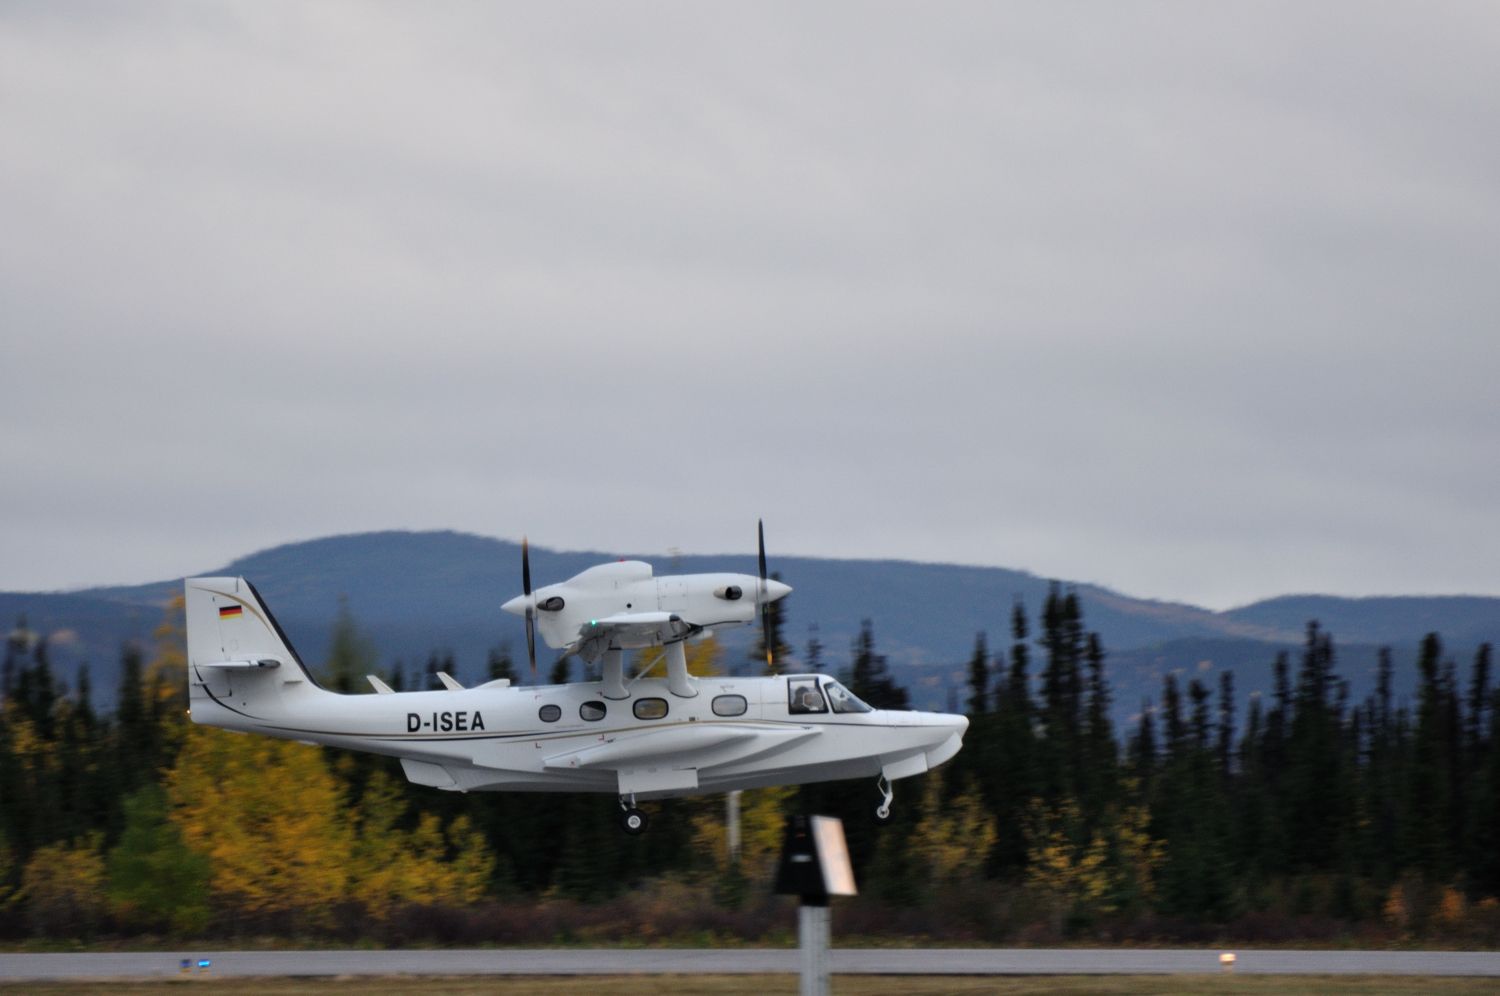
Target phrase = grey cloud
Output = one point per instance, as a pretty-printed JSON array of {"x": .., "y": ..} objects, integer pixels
[{"x": 1192, "y": 301}]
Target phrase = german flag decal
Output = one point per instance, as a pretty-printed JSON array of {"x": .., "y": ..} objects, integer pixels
[{"x": 230, "y": 611}]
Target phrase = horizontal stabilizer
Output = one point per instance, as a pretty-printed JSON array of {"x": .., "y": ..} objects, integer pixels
[{"x": 260, "y": 665}]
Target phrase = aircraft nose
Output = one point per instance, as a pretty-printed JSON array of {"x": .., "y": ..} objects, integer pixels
[
  {"x": 776, "y": 589},
  {"x": 950, "y": 724},
  {"x": 951, "y": 739},
  {"x": 516, "y": 606}
]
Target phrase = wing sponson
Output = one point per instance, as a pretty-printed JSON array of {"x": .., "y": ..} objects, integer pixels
[
  {"x": 703, "y": 747},
  {"x": 653, "y": 745}
]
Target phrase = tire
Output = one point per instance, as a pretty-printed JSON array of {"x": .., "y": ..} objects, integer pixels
[{"x": 633, "y": 822}]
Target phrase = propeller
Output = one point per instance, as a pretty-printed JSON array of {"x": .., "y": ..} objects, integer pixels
[
  {"x": 760, "y": 595},
  {"x": 530, "y": 606}
]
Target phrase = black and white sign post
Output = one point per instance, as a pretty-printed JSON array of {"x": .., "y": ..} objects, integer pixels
[{"x": 814, "y": 866}]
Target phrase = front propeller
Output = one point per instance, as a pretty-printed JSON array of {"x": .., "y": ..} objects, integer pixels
[
  {"x": 530, "y": 606},
  {"x": 761, "y": 602}
]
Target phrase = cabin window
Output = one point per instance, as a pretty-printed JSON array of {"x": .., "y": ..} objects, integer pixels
[
  {"x": 549, "y": 713},
  {"x": 844, "y": 700},
  {"x": 592, "y": 711},
  {"x": 650, "y": 708},
  {"x": 729, "y": 705},
  {"x": 803, "y": 696}
]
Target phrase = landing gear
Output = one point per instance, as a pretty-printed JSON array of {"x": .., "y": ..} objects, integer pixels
[
  {"x": 882, "y": 814},
  {"x": 632, "y": 820}
]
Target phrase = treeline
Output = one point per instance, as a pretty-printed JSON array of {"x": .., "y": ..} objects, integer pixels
[
  {"x": 1312, "y": 805},
  {"x": 1310, "y": 816}
]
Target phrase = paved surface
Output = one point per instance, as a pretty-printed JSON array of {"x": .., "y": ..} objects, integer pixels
[{"x": 667, "y": 961}]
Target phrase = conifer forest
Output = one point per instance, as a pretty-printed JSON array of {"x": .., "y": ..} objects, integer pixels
[{"x": 1306, "y": 817}]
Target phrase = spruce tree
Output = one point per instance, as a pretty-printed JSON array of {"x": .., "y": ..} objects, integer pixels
[
  {"x": 869, "y": 676},
  {"x": 1478, "y": 747},
  {"x": 135, "y": 730},
  {"x": 1141, "y": 752},
  {"x": 1062, "y": 754},
  {"x": 979, "y": 678},
  {"x": 1226, "y": 725},
  {"x": 1100, "y": 772},
  {"x": 498, "y": 664},
  {"x": 1431, "y": 789},
  {"x": 1485, "y": 840},
  {"x": 1476, "y": 722},
  {"x": 814, "y": 660},
  {"x": 1009, "y": 778},
  {"x": 351, "y": 656},
  {"x": 1314, "y": 816}
]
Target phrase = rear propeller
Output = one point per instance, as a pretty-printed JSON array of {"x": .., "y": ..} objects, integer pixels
[{"x": 530, "y": 606}]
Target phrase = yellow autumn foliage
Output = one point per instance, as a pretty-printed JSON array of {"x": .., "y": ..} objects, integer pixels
[
  {"x": 166, "y": 674},
  {"x": 8, "y": 893},
  {"x": 1096, "y": 876},
  {"x": 165, "y": 678},
  {"x": 63, "y": 886},
  {"x": 951, "y": 842},
  {"x": 26, "y": 744},
  {"x": 269, "y": 817},
  {"x": 762, "y": 822},
  {"x": 1138, "y": 855},
  {"x": 389, "y": 867},
  {"x": 704, "y": 660},
  {"x": 1058, "y": 866},
  {"x": 1451, "y": 907},
  {"x": 282, "y": 840},
  {"x": 1397, "y": 907}
]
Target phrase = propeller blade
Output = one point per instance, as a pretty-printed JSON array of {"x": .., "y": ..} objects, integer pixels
[
  {"x": 760, "y": 594},
  {"x": 760, "y": 533},
  {"x": 530, "y": 606},
  {"x": 531, "y": 644},
  {"x": 525, "y": 567}
]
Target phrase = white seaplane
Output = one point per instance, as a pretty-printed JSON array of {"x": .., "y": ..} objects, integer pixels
[{"x": 638, "y": 737}]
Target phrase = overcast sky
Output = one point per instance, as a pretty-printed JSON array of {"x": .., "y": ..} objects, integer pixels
[{"x": 1199, "y": 301}]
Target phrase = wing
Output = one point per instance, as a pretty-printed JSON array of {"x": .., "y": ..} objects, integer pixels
[{"x": 629, "y": 631}]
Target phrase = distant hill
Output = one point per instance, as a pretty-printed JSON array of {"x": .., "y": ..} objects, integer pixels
[
  {"x": 417, "y": 592},
  {"x": 1460, "y": 619}
]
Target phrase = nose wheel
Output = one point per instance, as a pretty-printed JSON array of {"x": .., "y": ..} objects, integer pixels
[
  {"x": 633, "y": 821},
  {"x": 882, "y": 814}
]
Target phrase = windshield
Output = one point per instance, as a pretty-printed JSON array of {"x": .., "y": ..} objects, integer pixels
[{"x": 842, "y": 699}]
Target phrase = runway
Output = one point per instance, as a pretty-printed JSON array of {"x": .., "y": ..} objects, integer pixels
[{"x": 743, "y": 961}]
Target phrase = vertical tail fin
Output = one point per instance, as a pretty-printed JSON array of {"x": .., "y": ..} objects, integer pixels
[{"x": 229, "y": 628}]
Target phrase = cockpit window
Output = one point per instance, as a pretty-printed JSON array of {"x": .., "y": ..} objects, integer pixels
[
  {"x": 803, "y": 696},
  {"x": 844, "y": 700}
]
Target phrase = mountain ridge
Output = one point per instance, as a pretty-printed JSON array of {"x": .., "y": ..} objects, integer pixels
[{"x": 417, "y": 592}]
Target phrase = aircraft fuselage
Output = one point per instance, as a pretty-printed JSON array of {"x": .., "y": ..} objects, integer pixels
[{"x": 735, "y": 733}]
